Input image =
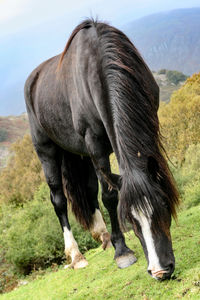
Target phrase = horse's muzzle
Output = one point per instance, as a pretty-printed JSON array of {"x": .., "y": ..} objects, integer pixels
[{"x": 162, "y": 274}]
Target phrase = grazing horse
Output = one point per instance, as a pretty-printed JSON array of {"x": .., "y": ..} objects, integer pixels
[{"x": 96, "y": 98}]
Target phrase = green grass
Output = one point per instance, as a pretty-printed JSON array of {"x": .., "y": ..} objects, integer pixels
[{"x": 103, "y": 280}]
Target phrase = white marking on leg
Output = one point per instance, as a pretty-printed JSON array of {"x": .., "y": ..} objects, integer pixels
[
  {"x": 145, "y": 223},
  {"x": 99, "y": 230},
  {"x": 71, "y": 246},
  {"x": 72, "y": 250}
]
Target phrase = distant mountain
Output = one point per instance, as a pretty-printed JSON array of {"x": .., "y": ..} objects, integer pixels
[{"x": 169, "y": 40}]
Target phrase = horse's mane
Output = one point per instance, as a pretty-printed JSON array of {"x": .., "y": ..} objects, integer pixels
[
  {"x": 85, "y": 24},
  {"x": 134, "y": 98}
]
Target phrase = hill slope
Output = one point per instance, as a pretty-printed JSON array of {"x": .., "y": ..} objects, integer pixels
[
  {"x": 169, "y": 40},
  {"x": 102, "y": 280}
]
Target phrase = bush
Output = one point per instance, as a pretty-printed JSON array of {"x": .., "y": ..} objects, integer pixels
[
  {"x": 162, "y": 71},
  {"x": 31, "y": 236},
  {"x": 3, "y": 135},
  {"x": 33, "y": 239},
  {"x": 180, "y": 121},
  {"x": 188, "y": 177},
  {"x": 192, "y": 193},
  {"x": 23, "y": 174},
  {"x": 42, "y": 193},
  {"x": 175, "y": 77}
]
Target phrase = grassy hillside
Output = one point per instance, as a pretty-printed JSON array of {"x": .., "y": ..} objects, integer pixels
[{"x": 103, "y": 280}]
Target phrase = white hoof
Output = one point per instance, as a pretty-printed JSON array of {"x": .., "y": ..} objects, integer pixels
[
  {"x": 81, "y": 264},
  {"x": 125, "y": 261},
  {"x": 78, "y": 263}
]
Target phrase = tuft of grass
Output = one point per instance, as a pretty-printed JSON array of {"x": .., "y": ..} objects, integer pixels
[{"x": 103, "y": 280}]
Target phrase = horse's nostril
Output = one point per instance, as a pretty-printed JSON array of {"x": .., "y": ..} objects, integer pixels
[
  {"x": 149, "y": 271},
  {"x": 170, "y": 268},
  {"x": 168, "y": 271}
]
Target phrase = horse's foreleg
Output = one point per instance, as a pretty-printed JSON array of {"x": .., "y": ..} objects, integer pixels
[
  {"x": 71, "y": 250},
  {"x": 124, "y": 257},
  {"x": 110, "y": 184},
  {"x": 100, "y": 158}
]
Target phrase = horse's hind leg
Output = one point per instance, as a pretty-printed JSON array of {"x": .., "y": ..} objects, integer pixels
[
  {"x": 50, "y": 156},
  {"x": 124, "y": 257},
  {"x": 99, "y": 230}
]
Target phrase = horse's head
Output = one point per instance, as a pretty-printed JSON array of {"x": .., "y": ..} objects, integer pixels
[
  {"x": 156, "y": 242},
  {"x": 148, "y": 202}
]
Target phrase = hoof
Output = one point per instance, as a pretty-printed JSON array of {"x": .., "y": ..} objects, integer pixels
[
  {"x": 78, "y": 263},
  {"x": 106, "y": 242},
  {"x": 125, "y": 260},
  {"x": 81, "y": 264}
]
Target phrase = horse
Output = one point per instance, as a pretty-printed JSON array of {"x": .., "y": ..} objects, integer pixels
[{"x": 97, "y": 97}]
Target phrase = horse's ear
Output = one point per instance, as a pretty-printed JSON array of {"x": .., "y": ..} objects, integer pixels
[{"x": 153, "y": 168}]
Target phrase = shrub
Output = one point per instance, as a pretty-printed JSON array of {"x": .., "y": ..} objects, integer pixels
[
  {"x": 175, "y": 77},
  {"x": 23, "y": 174},
  {"x": 42, "y": 193},
  {"x": 3, "y": 135},
  {"x": 192, "y": 193},
  {"x": 162, "y": 71},
  {"x": 188, "y": 177},
  {"x": 180, "y": 121},
  {"x": 32, "y": 237},
  {"x": 190, "y": 172}
]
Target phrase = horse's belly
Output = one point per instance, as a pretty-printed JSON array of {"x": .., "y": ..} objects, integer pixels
[
  {"x": 58, "y": 126},
  {"x": 71, "y": 141}
]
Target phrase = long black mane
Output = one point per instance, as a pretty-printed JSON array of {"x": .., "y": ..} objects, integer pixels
[{"x": 147, "y": 183}]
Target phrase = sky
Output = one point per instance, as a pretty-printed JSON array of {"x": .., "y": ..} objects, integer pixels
[
  {"x": 34, "y": 30},
  {"x": 19, "y": 15}
]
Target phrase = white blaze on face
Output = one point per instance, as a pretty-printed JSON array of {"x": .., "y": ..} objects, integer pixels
[
  {"x": 71, "y": 246},
  {"x": 145, "y": 223}
]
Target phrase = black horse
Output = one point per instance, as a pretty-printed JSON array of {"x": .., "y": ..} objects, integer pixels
[{"x": 96, "y": 98}]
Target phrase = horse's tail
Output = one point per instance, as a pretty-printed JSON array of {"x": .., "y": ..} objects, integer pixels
[
  {"x": 133, "y": 96},
  {"x": 75, "y": 174}
]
